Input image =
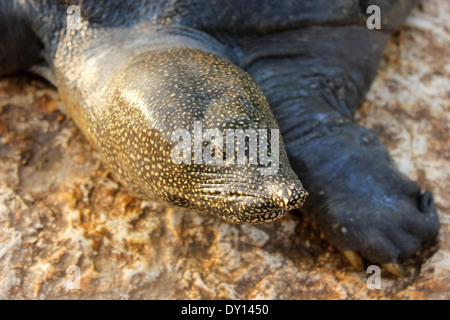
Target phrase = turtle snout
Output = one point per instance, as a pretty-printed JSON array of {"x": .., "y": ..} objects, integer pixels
[
  {"x": 268, "y": 201},
  {"x": 288, "y": 196}
]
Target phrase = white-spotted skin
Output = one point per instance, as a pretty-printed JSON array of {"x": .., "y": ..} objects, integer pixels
[
  {"x": 158, "y": 91},
  {"x": 128, "y": 99}
]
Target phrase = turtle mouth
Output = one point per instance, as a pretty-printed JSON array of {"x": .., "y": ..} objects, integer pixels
[
  {"x": 251, "y": 207},
  {"x": 253, "y": 218},
  {"x": 244, "y": 196}
]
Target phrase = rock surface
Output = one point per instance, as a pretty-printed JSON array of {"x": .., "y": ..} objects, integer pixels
[{"x": 59, "y": 207}]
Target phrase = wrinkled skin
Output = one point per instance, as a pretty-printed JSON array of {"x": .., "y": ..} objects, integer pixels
[{"x": 314, "y": 61}]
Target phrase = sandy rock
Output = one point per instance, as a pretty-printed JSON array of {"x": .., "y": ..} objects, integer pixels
[{"x": 60, "y": 209}]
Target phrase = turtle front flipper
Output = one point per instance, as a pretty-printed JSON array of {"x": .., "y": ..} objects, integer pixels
[{"x": 314, "y": 79}]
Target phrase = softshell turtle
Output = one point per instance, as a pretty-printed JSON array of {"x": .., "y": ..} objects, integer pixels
[{"x": 131, "y": 73}]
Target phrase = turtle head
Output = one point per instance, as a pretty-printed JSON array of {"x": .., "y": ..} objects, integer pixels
[{"x": 197, "y": 132}]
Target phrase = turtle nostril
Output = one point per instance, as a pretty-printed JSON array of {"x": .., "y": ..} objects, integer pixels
[{"x": 426, "y": 202}]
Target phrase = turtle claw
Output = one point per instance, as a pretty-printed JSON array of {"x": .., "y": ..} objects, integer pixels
[
  {"x": 355, "y": 259},
  {"x": 393, "y": 268}
]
